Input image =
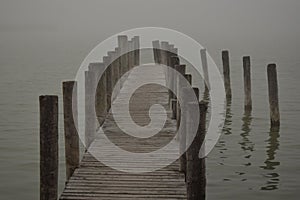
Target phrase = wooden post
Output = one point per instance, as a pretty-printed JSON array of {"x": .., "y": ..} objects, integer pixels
[
  {"x": 164, "y": 53},
  {"x": 174, "y": 60},
  {"x": 171, "y": 53},
  {"x": 116, "y": 69},
  {"x": 226, "y": 73},
  {"x": 273, "y": 95},
  {"x": 70, "y": 122},
  {"x": 196, "y": 179},
  {"x": 205, "y": 70},
  {"x": 156, "y": 51},
  {"x": 247, "y": 83},
  {"x": 108, "y": 72},
  {"x": 181, "y": 70},
  {"x": 118, "y": 65},
  {"x": 100, "y": 83},
  {"x": 130, "y": 54},
  {"x": 111, "y": 68},
  {"x": 114, "y": 73},
  {"x": 90, "y": 121},
  {"x": 123, "y": 45},
  {"x": 183, "y": 127},
  {"x": 173, "y": 108},
  {"x": 181, "y": 130},
  {"x": 136, "y": 41},
  {"x": 48, "y": 147}
]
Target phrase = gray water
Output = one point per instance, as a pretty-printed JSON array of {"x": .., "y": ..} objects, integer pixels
[{"x": 249, "y": 161}]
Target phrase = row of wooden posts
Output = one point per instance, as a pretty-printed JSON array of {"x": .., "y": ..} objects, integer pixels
[
  {"x": 166, "y": 54},
  {"x": 190, "y": 164},
  {"x": 272, "y": 86},
  {"x": 100, "y": 81},
  {"x": 99, "y": 97}
]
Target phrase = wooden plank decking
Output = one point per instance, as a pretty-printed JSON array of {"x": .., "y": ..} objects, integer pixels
[{"x": 93, "y": 180}]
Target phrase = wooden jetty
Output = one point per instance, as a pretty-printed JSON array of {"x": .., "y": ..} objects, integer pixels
[
  {"x": 94, "y": 180},
  {"x": 91, "y": 178}
]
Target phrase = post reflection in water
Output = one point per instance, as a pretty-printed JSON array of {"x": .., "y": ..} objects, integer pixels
[
  {"x": 271, "y": 164},
  {"x": 228, "y": 118},
  {"x": 246, "y": 145},
  {"x": 226, "y": 130}
]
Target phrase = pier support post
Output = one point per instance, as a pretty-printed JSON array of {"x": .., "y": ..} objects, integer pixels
[
  {"x": 48, "y": 147},
  {"x": 111, "y": 59},
  {"x": 164, "y": 53},
  {"x": 195, "y": 177},
  {"x": 100, "y": 84},
  {"x": 247, "y": 83},
  {"x": 136, "y": 41},
  {"x": 273, "y": 95},
  {"x": 70, "y": 122},
  {"x": 174, "y": 60},
  {"x": 182, "y": 131},
  {"x": 119, "y": 68},
  {"x": 226, "y": 73},
  {"x": 115, "y": 69},
  {"x": 183, "y": 128},
  {"x": 173, "y": 108},
  {"x": 101, "y": 99},
  {"x": 130, "y": 54},
  {"x": 181, "y": 70},
  {"x": 90, "y": 121},
  {"x": 156, "y": 51},
  {"x": 108, "y": 73},
  {"x": 123, "y": 45},
  {"x": 205, "y": 71}
]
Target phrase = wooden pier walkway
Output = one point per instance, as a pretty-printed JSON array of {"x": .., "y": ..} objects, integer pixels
[
  {"x": 139, "y": 174},
  {"x": 93, "y": 180}
]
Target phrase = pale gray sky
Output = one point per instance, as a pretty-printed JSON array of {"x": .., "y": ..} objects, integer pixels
[{"x": 66, "y": 30}]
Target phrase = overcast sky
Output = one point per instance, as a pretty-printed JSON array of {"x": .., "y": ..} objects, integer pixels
[{"x": 66, "y": 30}]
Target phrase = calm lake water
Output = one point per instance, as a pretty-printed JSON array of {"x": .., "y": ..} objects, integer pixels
[{"x": 249, "y": 161}]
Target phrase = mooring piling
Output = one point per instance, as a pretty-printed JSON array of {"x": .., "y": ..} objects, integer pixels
[
  {"x": 130, "y": 54},
  {"x": 181, "y": 71},
  {"x": 196, "y": 177},
  {"x": 48, "y": 147},
  {"x": 156, "y": 51},
  {"x": 226, "y": 73},
  {"x": 106, "y": 61},
  {"x": 174, "y": 60},
  {"x": 123, "y": 45},
  {"x": 164, "y": 53},
  {"x": 115, "y": 70},
  {"x": 247, "y": 83},
  {"x": 70, "y": 130},
  {"x": 205, "y": 70},
  {"x": 101, "y": 99},
  {"x": 182, "y": 130},
  {"x": 273, "y": 95},
  {"x": 90, "y": 122},
  {"x": 136, "y": 45}
]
